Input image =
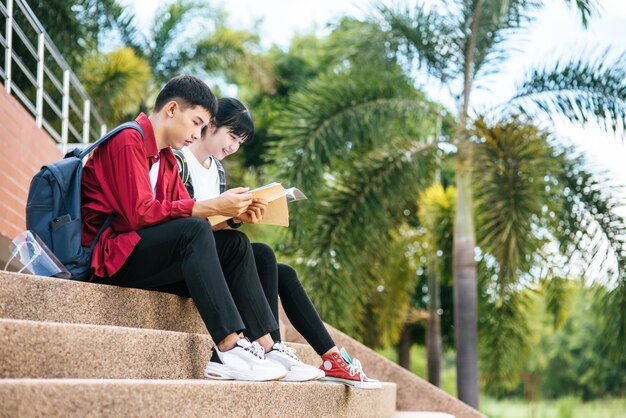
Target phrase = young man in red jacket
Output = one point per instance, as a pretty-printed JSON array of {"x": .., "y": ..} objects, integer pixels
[{"x": 160, "y": 238}]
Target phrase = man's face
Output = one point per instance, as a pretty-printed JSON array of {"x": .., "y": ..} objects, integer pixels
[
  {"x": 223, "y": 143},
  {"x": 184, "y": 126}
]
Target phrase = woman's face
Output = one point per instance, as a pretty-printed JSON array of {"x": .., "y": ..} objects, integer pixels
[{"x": 222, "y": 143}]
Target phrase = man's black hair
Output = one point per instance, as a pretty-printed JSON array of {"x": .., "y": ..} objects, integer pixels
[{"x": 189, "y": 91}]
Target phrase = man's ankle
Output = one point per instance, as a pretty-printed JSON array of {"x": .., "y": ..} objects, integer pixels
[{"x": 228, "y": 343}]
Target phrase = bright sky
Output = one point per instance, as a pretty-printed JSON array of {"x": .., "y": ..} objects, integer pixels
[{"x": 555, "y": 33}]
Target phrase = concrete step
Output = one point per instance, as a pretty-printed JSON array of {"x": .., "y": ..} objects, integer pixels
[
  {"x": 39, "y": 298},
  {"x": 189, "y": 398},
  {"x": 31, "y": 349},
  {"x": 414, "y": 393}
]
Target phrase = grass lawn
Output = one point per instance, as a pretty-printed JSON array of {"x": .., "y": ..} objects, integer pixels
[{"x": 569, "y": 407}]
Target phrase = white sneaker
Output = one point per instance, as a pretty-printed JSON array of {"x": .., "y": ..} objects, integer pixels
[
  {"x": 297, "y": 371},
  {"x": 246, "y": 361}
]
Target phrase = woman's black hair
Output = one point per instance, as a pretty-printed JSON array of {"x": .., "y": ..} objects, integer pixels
[{"x": 234, "y": 115}]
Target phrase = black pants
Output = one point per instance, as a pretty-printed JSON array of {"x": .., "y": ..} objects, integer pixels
[
  {"x": 217, "y": 270},
  {"x": 281, "y": 279}
]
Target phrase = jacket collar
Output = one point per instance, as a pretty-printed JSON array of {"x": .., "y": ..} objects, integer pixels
[{"x": 149, "y": 145}]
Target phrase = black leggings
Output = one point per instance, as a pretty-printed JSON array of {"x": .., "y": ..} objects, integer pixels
[
  {"x": 217, "y": 270},
  {"x": 282, "y": 280}
]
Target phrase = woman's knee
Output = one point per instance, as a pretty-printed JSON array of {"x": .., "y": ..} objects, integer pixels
[
  {"x": 263, "y": 252},
  {"x": 287, "y": 278}
]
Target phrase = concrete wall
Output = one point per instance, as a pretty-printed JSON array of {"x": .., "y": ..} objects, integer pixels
[{"x": 24, "y": 148}]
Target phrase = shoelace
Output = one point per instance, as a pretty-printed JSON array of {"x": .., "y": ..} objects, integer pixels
[
  {"x": 282, "y": 348},
  {"x": 355, "y": 368},
  {"x": 256, "y": 349}
]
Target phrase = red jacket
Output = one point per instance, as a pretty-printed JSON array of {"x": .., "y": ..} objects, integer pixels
[{"x": 116, "y": 180}]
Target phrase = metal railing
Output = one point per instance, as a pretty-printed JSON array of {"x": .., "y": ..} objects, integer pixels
[{"x": 52, "y": 94}]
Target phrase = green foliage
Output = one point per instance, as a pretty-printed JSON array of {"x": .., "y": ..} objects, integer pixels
[
  {"x": 579, "y": 90},
  {"x": 426, "y": 36},
  {"x": 503, "y": 341},
  {"x": 587, "y": 8},
  {"x": 76, "y": 27},
  {"x": 590, "y": 229},
  {"x": 389, "y": 300},
  {"x": 436, "y": 212},
  {"x": 557, "y": 293},
  {"x": 290, "y": 70},
  {"x": 120, "y": 80},
  {"x": 419, "y": 366},
  {"x": 578, "y": 364},
  {"x": 531, "y": 193},
  {"x": 516, "y": 164},
  {"x": 352, "y": 227},
  {"x": 569, "y": 407}
]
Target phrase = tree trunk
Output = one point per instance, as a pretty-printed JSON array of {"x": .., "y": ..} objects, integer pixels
[
  {"x": 404, "y": 347},
  {"x": 465, "y": 287},
  {"x": 433, "y": 328}
]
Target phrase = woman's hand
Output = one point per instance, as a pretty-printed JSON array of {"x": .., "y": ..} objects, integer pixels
[{"x": 255, "y": 212}]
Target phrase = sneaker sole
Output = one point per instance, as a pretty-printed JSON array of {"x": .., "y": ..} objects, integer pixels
[
  {"x": 354, "y": 383},
  {"x": 221, "y": 372},
  {"x": 294, "y": 376}
]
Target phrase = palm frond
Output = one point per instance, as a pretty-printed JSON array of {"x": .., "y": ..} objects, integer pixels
[
  {"x": 591, "y": 228},
  {"x": 436, "y": 213},
  {"x": 587, "y": 8},
  {"x": 557, "y": 292},
  {"x": 353, "y": 224},
  {"x": 171, "y": 48},
  {"x": 504, "y": 340},
  {"x": 232, "y": 53},
  {"x": 579, "y": 90},
  {"x": 119, "y": 80},
  {"x": 389, "y": 298},
  {"x": 497, "y": 22},
  {"x": 132, "y": 37},
  {"x": 514, "y": 162},
  {"x": 433, "y": 39},
  {"x": 339, "y": 116}
]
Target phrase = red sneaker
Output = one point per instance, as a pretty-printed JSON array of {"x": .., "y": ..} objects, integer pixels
[{"x": 343, "y": 369}]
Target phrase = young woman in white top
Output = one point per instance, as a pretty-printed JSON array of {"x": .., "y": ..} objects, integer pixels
[{"x": 203, "y": 176}]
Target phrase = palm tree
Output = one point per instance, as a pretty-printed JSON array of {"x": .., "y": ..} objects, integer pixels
[
  {"x": 340, "y": 116},
  {"x": 348, "y": 139},
  {"x": 458, "y": 44}
]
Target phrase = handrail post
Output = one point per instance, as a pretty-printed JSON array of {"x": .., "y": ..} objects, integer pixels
[
  {"x": 40, "y": 66},
  {"x": 9, "y": 51},
  {"x": 65, "y": 124},
  {"x": 86, "y": 116}
]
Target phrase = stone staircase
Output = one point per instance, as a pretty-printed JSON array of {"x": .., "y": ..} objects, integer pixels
[{"x": 81, "y": 349}]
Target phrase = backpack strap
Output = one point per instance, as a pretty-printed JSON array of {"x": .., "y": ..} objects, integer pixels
[
  {"x": 126, "y": 125},
  {"x": 104, "y": 226},
  {"x": 183, "y": 167},
  {"x": 221, "y": 173},
  {"x": 183, "y": 171},
  {"x": 82, "y": 154}
]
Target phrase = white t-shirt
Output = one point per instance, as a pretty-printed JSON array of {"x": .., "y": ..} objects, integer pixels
[
  {"x": 154, "y": 176},
  {"x": 206, "y": 181}
]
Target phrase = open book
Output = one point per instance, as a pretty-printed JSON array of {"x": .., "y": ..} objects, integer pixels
[{"x": 277, "y": 197}]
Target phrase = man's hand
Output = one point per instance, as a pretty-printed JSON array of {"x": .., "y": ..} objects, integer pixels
[
  {"x": 232, "y": 202},
  {"x": 255, "y": 212}
]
